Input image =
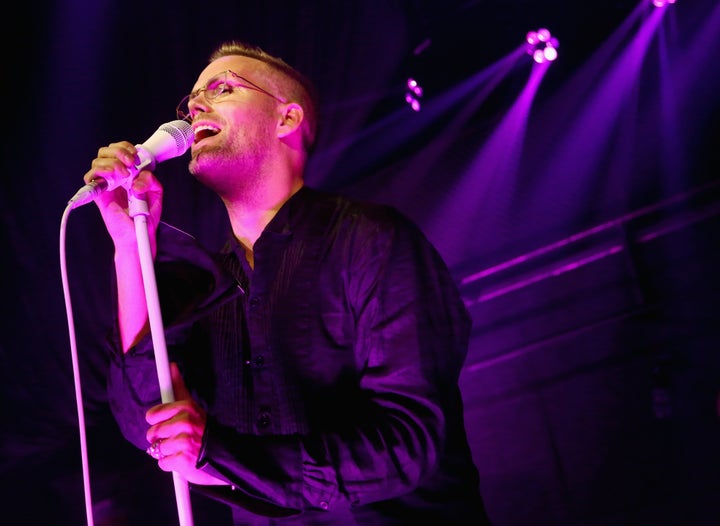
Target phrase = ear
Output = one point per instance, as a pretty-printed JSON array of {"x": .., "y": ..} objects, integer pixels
[{"x": 290, "y": 119}]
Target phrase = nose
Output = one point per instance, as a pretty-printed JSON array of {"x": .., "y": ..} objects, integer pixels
[{"x": 197, "y": 102}]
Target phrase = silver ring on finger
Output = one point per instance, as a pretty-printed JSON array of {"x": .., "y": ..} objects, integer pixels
[{"x": 154, "y": 450}]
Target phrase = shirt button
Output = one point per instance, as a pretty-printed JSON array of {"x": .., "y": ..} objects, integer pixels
[
  {"x": 259, "y": 361},
  {"x": 263, "y": 420},
  {"x": 324, "y": 505}
]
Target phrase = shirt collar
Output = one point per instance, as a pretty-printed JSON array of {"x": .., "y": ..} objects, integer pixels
[{"x": 283, "y": 221}]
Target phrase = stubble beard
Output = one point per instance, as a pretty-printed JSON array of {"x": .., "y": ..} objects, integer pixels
[{"x": 229, "y": 171}]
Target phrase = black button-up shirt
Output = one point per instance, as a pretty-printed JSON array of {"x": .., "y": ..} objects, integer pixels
[{"x": 329, "y": 371}]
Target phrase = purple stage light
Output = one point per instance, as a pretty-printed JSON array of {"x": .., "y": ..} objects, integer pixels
[
  {"x": 541, "y": 45},
  {"x": 413, "y": 94}
]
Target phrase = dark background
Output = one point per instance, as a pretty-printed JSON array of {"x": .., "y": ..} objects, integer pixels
[{"x": 577, "y": 206}]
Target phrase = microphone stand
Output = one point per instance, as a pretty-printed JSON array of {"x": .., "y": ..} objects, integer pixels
[{"x": 138, "y": 210}]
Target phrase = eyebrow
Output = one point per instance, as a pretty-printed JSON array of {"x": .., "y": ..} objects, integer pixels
[{"x": 214, "y": 78}]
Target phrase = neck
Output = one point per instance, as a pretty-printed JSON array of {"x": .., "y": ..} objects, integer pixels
[{"x": 250, "y": 215}]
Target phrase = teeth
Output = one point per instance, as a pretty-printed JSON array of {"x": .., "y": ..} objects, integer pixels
[{"x": 206, "y": 127}]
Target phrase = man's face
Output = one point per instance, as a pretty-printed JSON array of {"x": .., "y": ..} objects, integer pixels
[{"x": 234, "y": 117}]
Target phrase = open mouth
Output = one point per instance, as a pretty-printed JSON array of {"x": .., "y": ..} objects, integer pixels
[{"x": 204, "y": 131}]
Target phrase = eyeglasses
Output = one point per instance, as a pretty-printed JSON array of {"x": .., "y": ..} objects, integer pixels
[{"x": 218, "y": 87}]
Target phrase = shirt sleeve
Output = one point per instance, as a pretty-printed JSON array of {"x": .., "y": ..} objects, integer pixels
[
  {"x": 412, "y": 333},
  {"x": 190, "y": 283}
]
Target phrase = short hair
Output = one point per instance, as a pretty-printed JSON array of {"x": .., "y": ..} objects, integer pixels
[{"x": 299, "y": 88}]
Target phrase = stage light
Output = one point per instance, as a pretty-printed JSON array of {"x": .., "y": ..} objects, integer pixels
[
  {"x": 541, "y": 45},
  {"x": 550, "y": 52},
  {"x": 413, "y": 94},
  {"x": 662, "y": 3}
]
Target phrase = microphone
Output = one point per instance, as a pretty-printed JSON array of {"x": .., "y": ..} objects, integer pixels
[{"x": 172, "y": 139}]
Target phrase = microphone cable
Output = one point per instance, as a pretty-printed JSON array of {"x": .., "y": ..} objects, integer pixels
[{"x": 76, "y": 369}]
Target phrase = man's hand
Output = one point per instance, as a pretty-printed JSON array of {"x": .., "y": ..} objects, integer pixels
[
  {"x": 176, "y": 432},
  {"x": 114, "y": 162}
]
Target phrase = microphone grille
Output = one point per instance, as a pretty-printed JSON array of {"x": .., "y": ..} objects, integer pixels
[{"x": 181, "y": 132}]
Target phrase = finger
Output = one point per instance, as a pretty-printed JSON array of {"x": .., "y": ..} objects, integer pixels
[
  {"x": 170, "y": 418},
  {"x": 123, "y": 150},
  {"x": 174, "y": 445},
  {"x": 115, "y": 158},
  {"x": 173, "y": 462},
  {"x": 162, "y": 448},
  {"x": 145, "y": 182},
  {"x": 177, "y": 456},
  {"x": 161, "y": 413},
  {"x": 179, "y": 388},
  {"x": 155, "y": 450},
  {"x": 105, "y": 169}
]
